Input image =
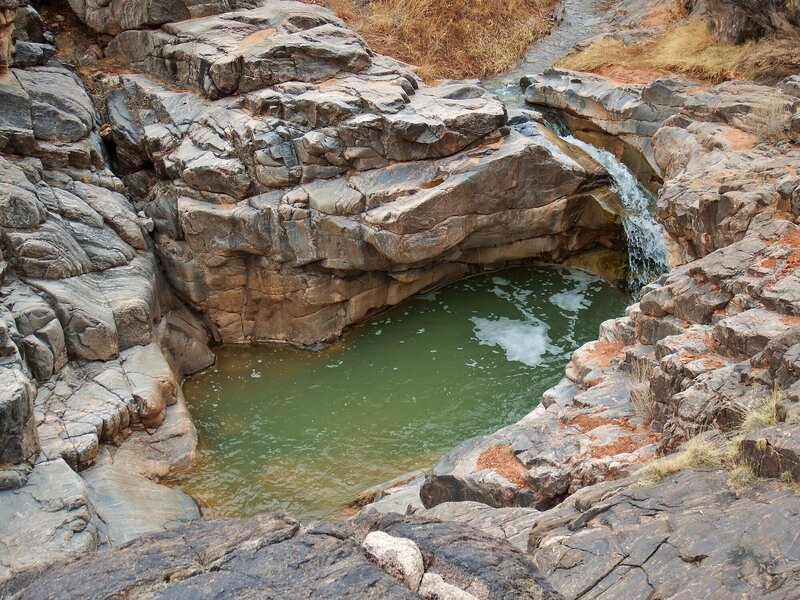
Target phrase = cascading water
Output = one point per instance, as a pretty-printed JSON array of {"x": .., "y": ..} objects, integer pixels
[{"x": 647, "y": 254}]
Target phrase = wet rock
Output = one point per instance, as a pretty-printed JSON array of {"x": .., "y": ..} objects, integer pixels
[{"x": 631, "y": 113}]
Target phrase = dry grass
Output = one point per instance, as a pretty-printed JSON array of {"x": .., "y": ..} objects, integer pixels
[
  {"x": 698, "y": 453},
  {"x": 688, "y": 49},
  {"x": 642, "y": 399},
  {"x": 771, "y": 59},
  {"x": 741, "y": 476},
  {"x": 449, "y": 39},
  {"x": 761, "y": 412}
]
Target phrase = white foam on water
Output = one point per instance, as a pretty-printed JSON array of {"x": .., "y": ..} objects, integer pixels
[
  {"x": 523, "y": 341},
  {"x": 574, "y": 300},
  {"x": 571, "y": 300}
]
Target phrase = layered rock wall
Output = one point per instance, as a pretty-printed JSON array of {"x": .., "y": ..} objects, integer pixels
[{"x": 328, "y": 183}]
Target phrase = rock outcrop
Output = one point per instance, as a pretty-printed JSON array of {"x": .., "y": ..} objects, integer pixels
[
  {"x": 89, "y": 328},
  {"x": 691, "y": 535},
  {"x": 304, "y": 183},
  {"x": 712, "y": 339},
  {"x": 283, "y": 182},
  {"x": 297, "y": 183},
  {"x": 273, "y": 555},
  {"x": 738, "y": 21}
]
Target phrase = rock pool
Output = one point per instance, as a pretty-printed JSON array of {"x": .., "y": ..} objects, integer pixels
[{"x": 282, "y": 428}]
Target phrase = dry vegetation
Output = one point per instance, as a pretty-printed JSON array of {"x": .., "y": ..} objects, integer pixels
[
  {"x": 449, "y": 39},
  {"x": 698, "y": 453},
  {"x": 688, "y": 49},
  {"x": 719, "y": 452},
  {"x": 642, "y": 399},
  {"x": 685, "y": 47},
  {"x": 760, "y": 413}
]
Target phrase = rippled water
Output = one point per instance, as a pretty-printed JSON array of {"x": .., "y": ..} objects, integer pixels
[{"x": 282, "y": 428}]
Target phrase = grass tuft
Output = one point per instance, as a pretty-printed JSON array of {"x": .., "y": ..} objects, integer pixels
[
  {"x": 642, "y": 398},
  {"x": 698, "y": 453},
  {"x": 447, "y": 39},
  {"x": 761, "y": 413},
  {"x": 742, "y": 475}
]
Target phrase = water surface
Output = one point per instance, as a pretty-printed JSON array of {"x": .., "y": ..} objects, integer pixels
[{"x": 282, "y": 428}]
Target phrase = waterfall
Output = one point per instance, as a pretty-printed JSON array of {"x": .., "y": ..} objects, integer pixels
[{"x": 647, "y": 254}]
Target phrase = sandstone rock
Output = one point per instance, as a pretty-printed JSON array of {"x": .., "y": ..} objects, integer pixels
[
  {"x": 119, "y": 15},
  {"x": 593, "y": 104},
  {"x": 100, "y": 401},
  {"x": 18, "y": 440},
  {"x": 129, "y": 505},
  {"x": 587, "y": 437},
  {"x": 397, "y": 556},
  {"x": 247, "y": 50},
  {"x": 49, "y": 519}
]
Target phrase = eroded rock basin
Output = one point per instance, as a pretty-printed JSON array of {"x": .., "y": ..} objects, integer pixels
[{"x": 282, "y": 428}]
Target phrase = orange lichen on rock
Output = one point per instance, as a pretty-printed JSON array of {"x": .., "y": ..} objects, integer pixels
[
  {"x": 589, "y": 422},
  {"x": 769, "y": 263},
  {"x": 793, "y": 262},
  {"x": 792, "y": 238},
  {"x": 740, "y": 140},
  {"x": 623, "y": 445},
  {"x": 502, "y": 460},
  {"x": 603, "y": 351}
]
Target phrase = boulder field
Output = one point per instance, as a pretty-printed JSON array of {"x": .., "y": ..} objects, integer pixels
[{"x": 260, "y": 174}]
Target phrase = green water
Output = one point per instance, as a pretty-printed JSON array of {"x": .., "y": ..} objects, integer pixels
[{"x": 282, "y": 428}]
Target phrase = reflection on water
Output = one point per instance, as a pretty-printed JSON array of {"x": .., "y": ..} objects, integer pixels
[{"x": 282, "y": 428}]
